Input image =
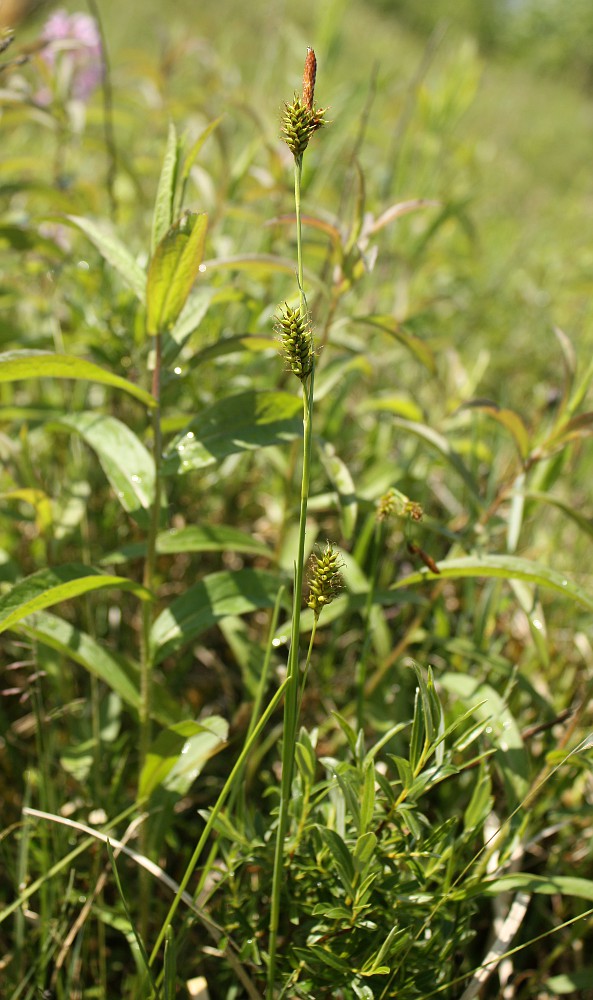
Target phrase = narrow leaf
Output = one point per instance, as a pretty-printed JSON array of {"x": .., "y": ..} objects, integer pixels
[
  {"x": 17, "y": 365},
  {"x": 50, "y": 586},
  {"x": 399, "y": 332},
  {"x": 507, "y": 567},
  {"x": 162, "y": 217},
  {"x": 120, "y": 674}
]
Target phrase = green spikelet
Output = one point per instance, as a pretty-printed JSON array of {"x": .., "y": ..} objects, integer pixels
[
  {"x": 297, "y": 341},
  {"x": 299, "y": 122},
  {"x": 324, "y": 579}
]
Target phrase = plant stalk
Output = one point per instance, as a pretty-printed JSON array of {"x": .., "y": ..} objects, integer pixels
[{"x": 291, "y": 703}]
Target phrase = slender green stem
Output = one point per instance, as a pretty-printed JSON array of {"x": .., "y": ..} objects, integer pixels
[
  {"x": 227, "y": 788},
  {"x": 291, "y": 704},
  {"x": 361, "y": 669}
]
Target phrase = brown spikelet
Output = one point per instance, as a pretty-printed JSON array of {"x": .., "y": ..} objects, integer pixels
[{"x": 309, "y": 79}]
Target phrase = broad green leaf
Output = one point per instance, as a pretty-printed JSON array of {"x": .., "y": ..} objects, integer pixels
[
  {"x": 114, "y": 252},
  {"x": 120, "y": 674},
  {"x": 18, "y": 365},
  {"x": 162, "y": 217},
  {"x": 196, "y": 538},
  {"x": 245, "y": 422},
  {"x": 398, "y": 331},
  {"x": 178, "y": 754},
  {"x": 216, "y": 596},
  {"x": 125, "y": 461},
  {"x": 173, "y": 270},
  {"x": 62, "y": 583},
  {"x": 507, "y": 567}
]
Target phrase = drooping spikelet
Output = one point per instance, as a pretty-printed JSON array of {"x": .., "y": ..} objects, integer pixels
[
  {"x": 300, "y": 119},
  {"x": 394, "y": 502},
  {"x": 324, "y": 579},
  {"x": 296, "y": 339}
]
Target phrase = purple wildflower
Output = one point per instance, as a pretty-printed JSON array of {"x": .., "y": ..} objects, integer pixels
[{"x": 73, "y": 51}]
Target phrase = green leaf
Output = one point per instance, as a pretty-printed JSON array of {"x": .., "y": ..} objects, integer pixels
[
  {"x": 213, "y": 598},
  {"x": 162, "y": 217},
  {"x": 507, "y": 567},
  {"x": 17, "y": 365},
  {"x": 364, "y": 850},
  {"x": 173, "y": 270},
  {"x": 245, "y": 422},
  {"x": 196, "y": 538},
  {"x": 120, "y": 674},
  {"x": 548, "y": 885},
  {"x": 114, "y": 252},
  {"x": 179, "y": 753},
  {"x": 340, "y": 854},
  {"x": 367, "y": 805},
  {"x": 63, "y": 583},
  {"x": 125, "y": 461}
]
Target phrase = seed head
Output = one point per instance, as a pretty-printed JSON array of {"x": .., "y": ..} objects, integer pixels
[
  {"x": 324, "y": 579},
  {"x": 296, "y": 340}
]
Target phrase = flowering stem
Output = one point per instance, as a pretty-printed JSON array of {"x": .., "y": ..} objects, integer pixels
[{"x": 291, "y": 702}]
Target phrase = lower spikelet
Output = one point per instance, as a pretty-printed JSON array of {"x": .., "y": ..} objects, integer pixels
[
  {"x": 324, "y": 579},
  {"x": 297, "y": 341}
]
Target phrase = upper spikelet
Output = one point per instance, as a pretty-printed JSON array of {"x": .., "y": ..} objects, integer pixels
[{"x": 300, "y": 119}]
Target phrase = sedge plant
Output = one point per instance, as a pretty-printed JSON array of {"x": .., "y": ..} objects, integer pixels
[{"x": 301, "y": 120}]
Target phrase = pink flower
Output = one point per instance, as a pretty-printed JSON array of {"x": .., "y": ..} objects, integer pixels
[{"x": 73, "y": 52}]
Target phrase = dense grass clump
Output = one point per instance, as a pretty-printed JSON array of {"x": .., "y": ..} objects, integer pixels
[{"x": 295, "y": 596}]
